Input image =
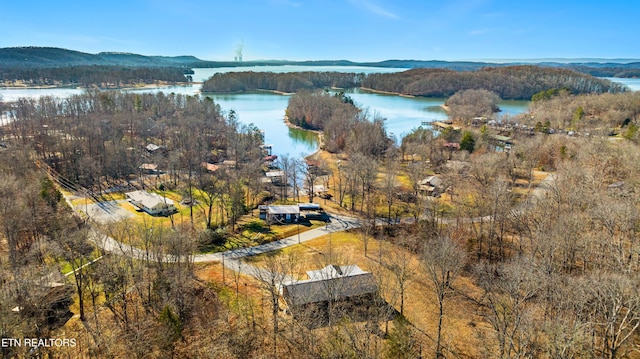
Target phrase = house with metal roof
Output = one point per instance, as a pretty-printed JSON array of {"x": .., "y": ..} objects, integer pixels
[
  {"x": 330, "y": 283},
  {"x": 335, "y": 291}
]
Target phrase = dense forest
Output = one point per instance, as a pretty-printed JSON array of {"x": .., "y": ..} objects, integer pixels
[
  {"x": 345, "y": 127},
  {"x": 101, "y": 76},
  {"x": 284, "y": 82},
  {"x": 514, "y": 82},
  {"x": 38, "y": 66}
]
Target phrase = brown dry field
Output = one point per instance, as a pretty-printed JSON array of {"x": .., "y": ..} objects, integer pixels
[{"x": 461, "y": 323}]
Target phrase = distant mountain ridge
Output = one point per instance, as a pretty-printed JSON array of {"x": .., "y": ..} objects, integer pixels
[
  {"x": 39, "y": 57},
  {"x": 48, "y": 57}
]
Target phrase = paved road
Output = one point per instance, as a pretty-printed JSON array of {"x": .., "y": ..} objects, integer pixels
[
  {"x": 232, "y": 258},
  {"x": 337, "y": 224}
]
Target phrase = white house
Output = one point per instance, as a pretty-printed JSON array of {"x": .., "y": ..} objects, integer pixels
[{"x": 151, "y": 203}]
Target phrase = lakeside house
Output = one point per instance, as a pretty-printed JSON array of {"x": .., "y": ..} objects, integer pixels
[
  {"x": 151, "y": 203},
  {"x": 502, "y": 143}
]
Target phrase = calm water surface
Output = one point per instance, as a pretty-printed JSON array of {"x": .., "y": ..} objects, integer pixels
[
  {"x": 266, "y": 110},
  {"x": 633, "y": 84}
]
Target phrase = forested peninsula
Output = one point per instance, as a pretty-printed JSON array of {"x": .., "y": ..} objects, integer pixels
[
  {"x": 513, "y": 82},
  {"x": 101, "y": 76}
]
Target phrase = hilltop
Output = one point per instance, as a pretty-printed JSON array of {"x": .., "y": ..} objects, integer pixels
[
  {"x": 47, "y": 57},
  {"x": 39, "y": 57}
]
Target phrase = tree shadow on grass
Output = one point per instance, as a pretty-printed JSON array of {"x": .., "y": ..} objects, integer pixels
[{"x": 255, "y": 226}]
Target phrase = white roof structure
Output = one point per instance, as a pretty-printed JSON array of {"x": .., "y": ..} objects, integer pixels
[
  {"x": 272, "y": 174},
  {"x": 284, "y": 209},
  {"x": 333, "y": 271},
  {"x": 149, "y": 167},
  {"x": 147, "y": 198},
  {"x": 151, "y": 203},
  {"x": 152, "y": 147}
]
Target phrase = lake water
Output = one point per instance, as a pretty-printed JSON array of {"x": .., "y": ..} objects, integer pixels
[
  {"x": 266, "y": 110},
  {"x": 633, "y": 84}
]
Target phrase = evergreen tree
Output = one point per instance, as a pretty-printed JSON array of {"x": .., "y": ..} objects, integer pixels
[{"x": 468, "y": 142}]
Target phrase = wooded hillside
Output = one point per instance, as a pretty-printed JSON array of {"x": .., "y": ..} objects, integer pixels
[
  {"x": 514, "y": 82},
  {"x": 102, "y": 76}
]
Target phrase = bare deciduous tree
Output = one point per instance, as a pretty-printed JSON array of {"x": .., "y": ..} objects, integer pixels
[{"x": 442, "y": 260}]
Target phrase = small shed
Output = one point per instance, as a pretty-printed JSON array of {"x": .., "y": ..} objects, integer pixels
[
  {"x": 309, "y": 206},
  {"x": 313, "y": 211}
]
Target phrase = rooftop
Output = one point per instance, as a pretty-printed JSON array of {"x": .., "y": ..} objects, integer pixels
[
  {"x": 147, "y": 199},
  {"x": 285, "y": 209},
  {"x": 331, "y": 282}
]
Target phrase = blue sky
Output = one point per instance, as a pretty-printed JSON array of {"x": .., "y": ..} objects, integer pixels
[{"x": 358, "y": 30}]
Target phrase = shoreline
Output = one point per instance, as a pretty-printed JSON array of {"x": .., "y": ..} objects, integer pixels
[
  {"x": 76, "y": 86},
  {"x": 319, "y": 135},
  {"x": 274, "y": 92},
  {"x": 386, "y": 92}
]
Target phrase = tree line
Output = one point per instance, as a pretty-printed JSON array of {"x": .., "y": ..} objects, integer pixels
[
  {"x": 284, "y": 82},
  {"x": 101, "y": 76},
  {"x": 510, "y": 82}
]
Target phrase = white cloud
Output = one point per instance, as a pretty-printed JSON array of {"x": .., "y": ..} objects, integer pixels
[{"x": 374, "y": 8}]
